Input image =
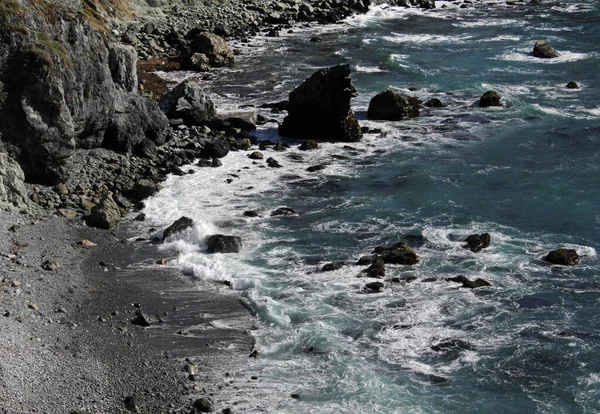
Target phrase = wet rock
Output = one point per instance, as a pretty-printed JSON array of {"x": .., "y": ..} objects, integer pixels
[
  {"x": 391, "y": 106},
  {"x": 434, "y": 103},
  {"x": 565, "y": 257},
  {"x": 367, "y": 260},
  {"x": 476, "y": 283},
  {"x": 332, "y": 266},
  {"x": 273, "y": 163},
  {"x": 490, "y": 98},
  {"x": 220, "y": 243},
  {"x": 256, "y": 155},
  {"x": 542, "y": 50},
  {"x": 400, "y": 253},
  {"x": 143, "y": 189},
  {"x": 284, "y": 211},
  {"x": 320, "y": 107},
  {"x": 452, "y": 345},
  {"x": 457, "y": 279},
  {"x": 308, "y": 145},
  {"x": 191, "y": 369},
  {"x": 572, "y": 85},
  {"x": 180, "y": 225},
  {"x": 377, "y": 269},
  {"x": 315, "y": 168},
  {"x": 242, "y": 121},
  {"x": 105, "y": 214},
  {"x": 374, "y": 286},
  {"x": 143, "y": 319},
  {"x": 199, "y": 62},
  {"x": 250, "y": 213},
  {"x": 215, "y": 149},
  {"x": 476, "y": 242},
  {"x": 188, "y": 102}
]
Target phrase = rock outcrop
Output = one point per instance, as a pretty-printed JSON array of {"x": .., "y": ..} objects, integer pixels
[
  {"x": 320, "y": 108},
  {"x": 76, "y": 85},
  {"x": 13, "y": 194},
  {"x": 213, "y": 46},
  {"x": 476, "y": 242},
  {"x": 391, "y": 106},
  {"x": 565, "y": 257},
  {"x": 542, "y": 50},
  {"x": 490, "y": 98},
  {"x": 220, "y": 243}
]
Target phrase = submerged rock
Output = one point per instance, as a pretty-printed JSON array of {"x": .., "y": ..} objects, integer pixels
[
  {"x": 220, "y": 243},
  {"x": 320, "y": 107},
  {"x": 374, "y": 287},
  {"x": 476, "y": 283},
  {"x": 377, "y": 269},
  {"x": 400, "y": 253},
  {"x": 572, "y": 85},
  {"x": 542, "y": 50},
  {"x": 284, "y": 211},
  {"x": 332, "y": 266},
  {"x": 565, "y": 257},
  {"x": 392, "y": 106}
]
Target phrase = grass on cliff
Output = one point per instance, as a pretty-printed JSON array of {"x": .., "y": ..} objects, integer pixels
[
  {"x": 10, "y": 17},
  {"x": 55, "y": 47}
]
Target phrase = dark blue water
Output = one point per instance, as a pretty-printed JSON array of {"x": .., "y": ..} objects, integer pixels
[{"x": 527, "y": 173}]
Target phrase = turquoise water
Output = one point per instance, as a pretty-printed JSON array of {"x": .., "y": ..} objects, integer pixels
[{"x": 527, "y": 173}]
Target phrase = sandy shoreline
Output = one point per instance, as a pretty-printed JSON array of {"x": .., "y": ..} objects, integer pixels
[{"x": 68, "y": 341}]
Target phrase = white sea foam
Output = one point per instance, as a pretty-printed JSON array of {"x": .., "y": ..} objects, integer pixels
[
  {"x": 403, "y": 38},
  {"x": 368, "y": 69},
  {"x": 525, "y": 55}
]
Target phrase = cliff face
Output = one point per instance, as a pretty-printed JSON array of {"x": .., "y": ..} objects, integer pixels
[{"x": 65, "y": 85}]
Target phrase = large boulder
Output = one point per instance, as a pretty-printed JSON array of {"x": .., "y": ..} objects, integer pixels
[
  {"x": 188, "y": 102},
  {"x": 178, "y": 226},
  {"x": 105, "y": 214},
  {"x": 490, "y": 98},
  {"x": 214, "y": 47},
  {"x": 565, "y": 257},
  {"x": 215, "y": 149},
  {"x": 13, "y": 194},
  {"x": 220, "y": 243},
  {"x": 320, "y": 107},
  {"x": 391, "y": 106},
  {"x": 542, "y": 50}
]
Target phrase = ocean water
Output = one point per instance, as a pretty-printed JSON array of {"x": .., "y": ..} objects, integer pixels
[{"x": 528, "y": 173}]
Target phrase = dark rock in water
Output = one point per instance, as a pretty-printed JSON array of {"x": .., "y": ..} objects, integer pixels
[
  {"x": 140, "y": 217},
  {"x": 315, "y": 168},
  {"x": 458, "y": 279},
  {"x": 215, "y": 48},
  {"x": 391, "y": 106},
  {"x": 278, "y": 106},
  {"x": 250, "y": 213},
  {"x": 309, "y": 144},
  {"x": 400, "y": 253},
  {"x": 256, "y": 155},
  {"x": 143, "y": 319},
  {"x": 572, "y": 85},
  {"x": 476, "y": 283},
  {"x": 374, "y": 286},
  {"x": 216, "y": 163},
  {"x": 273, "y": 163},
  {"x": 316, "y": 39},
  {"x": 436, "y": 379},
  {"x": 202, "y": 405},
  {"x": 244, "y": 121},
  {"x": 220, "y": 243},
  {"x": 434, "y": 103},
  {"x": 490, "y": 98},
  {"x": 180, "y": 225},
  {"x": 198, "y": 62},
  {"x": 143, "y": 189},
  {"x": 133, "y": 403},
  {"x": 450, "y": 345},
  {"x": 377, "y": 269},
  {"x": 332, "y": 266},
  {"x": 320, "y": 107},
  {"x": 215, "y": 149},
  {"x": 105, "y": 214},
  {"x": 476, "y": 242},
  {"x": 565, "y": 257},
  {"x": 415, "y": 240},
  {"x": 204, "y": 163},
  {"x": 284, "y": 211},
  {"x": 187, "y": 101},
  {"x": 542, "y": 50},
  {"x": 367, "y": 260}
]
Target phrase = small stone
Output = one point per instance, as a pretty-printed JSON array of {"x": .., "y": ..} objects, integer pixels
[
  {"x": 374, "y": 286},
  {"x": 101, "y": 319},
  {"x": 161, "y": 262},
  {"x": 253, "y": 354},
  {"x": 50, "y": 265},
  {"x": 143, "y": 319},
  {"x": 6, "y": 313},
  {"x": 295, "y": 396},
  {"x": 273, "y": 163},
  {"x": 61, "y": 310},
  {"x": 132, "y": 403},
  {"x": 33, "y": 306},
  {"x": 256, "y": 155},
  {"x": 15, "y": 283},
  {"x": 87, "y": 243},
  {"x": 191, "y": 369},
  {"x": 203, "y": 405}
]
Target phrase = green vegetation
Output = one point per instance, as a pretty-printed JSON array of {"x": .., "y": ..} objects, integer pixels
[
  {"x": 55, "y": 47},
  {"x": 10, "y": 21}
]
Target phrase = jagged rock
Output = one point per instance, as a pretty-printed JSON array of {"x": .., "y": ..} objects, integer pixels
[
  {"x": 215, "y": 149},
  {"x": 199, "y": 62},
  {"x": 105, "y": 214},
  {"x": 400, "y": 253},
  {"x": 490, "y": 98},
  {"x": 475, "y": 283},
  {"x": 215, "y": 48},
  {"x": 220, "y": 243},
  {"x": 391, "y": 106},
  {"x": 328, "y": 267},
  {"x": 476, "y": 242},
  {"x": 565, "y": 257},
  {"x": 284, "y": 211},
  {"x": 143, "y": 319},
  {"x": 320, "y": 107},
  {"x": 180, "y": 225},
  {"x": 50, "y": 265},
  {"x": 542, "y": 50},
  {"x": 143, "y": 189},
  {"x": 13, "y": 194},
  {"x": 309, "y": 144},
  {"x": 188, "y": 102},
  {"x": 377, "y": 269}
]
